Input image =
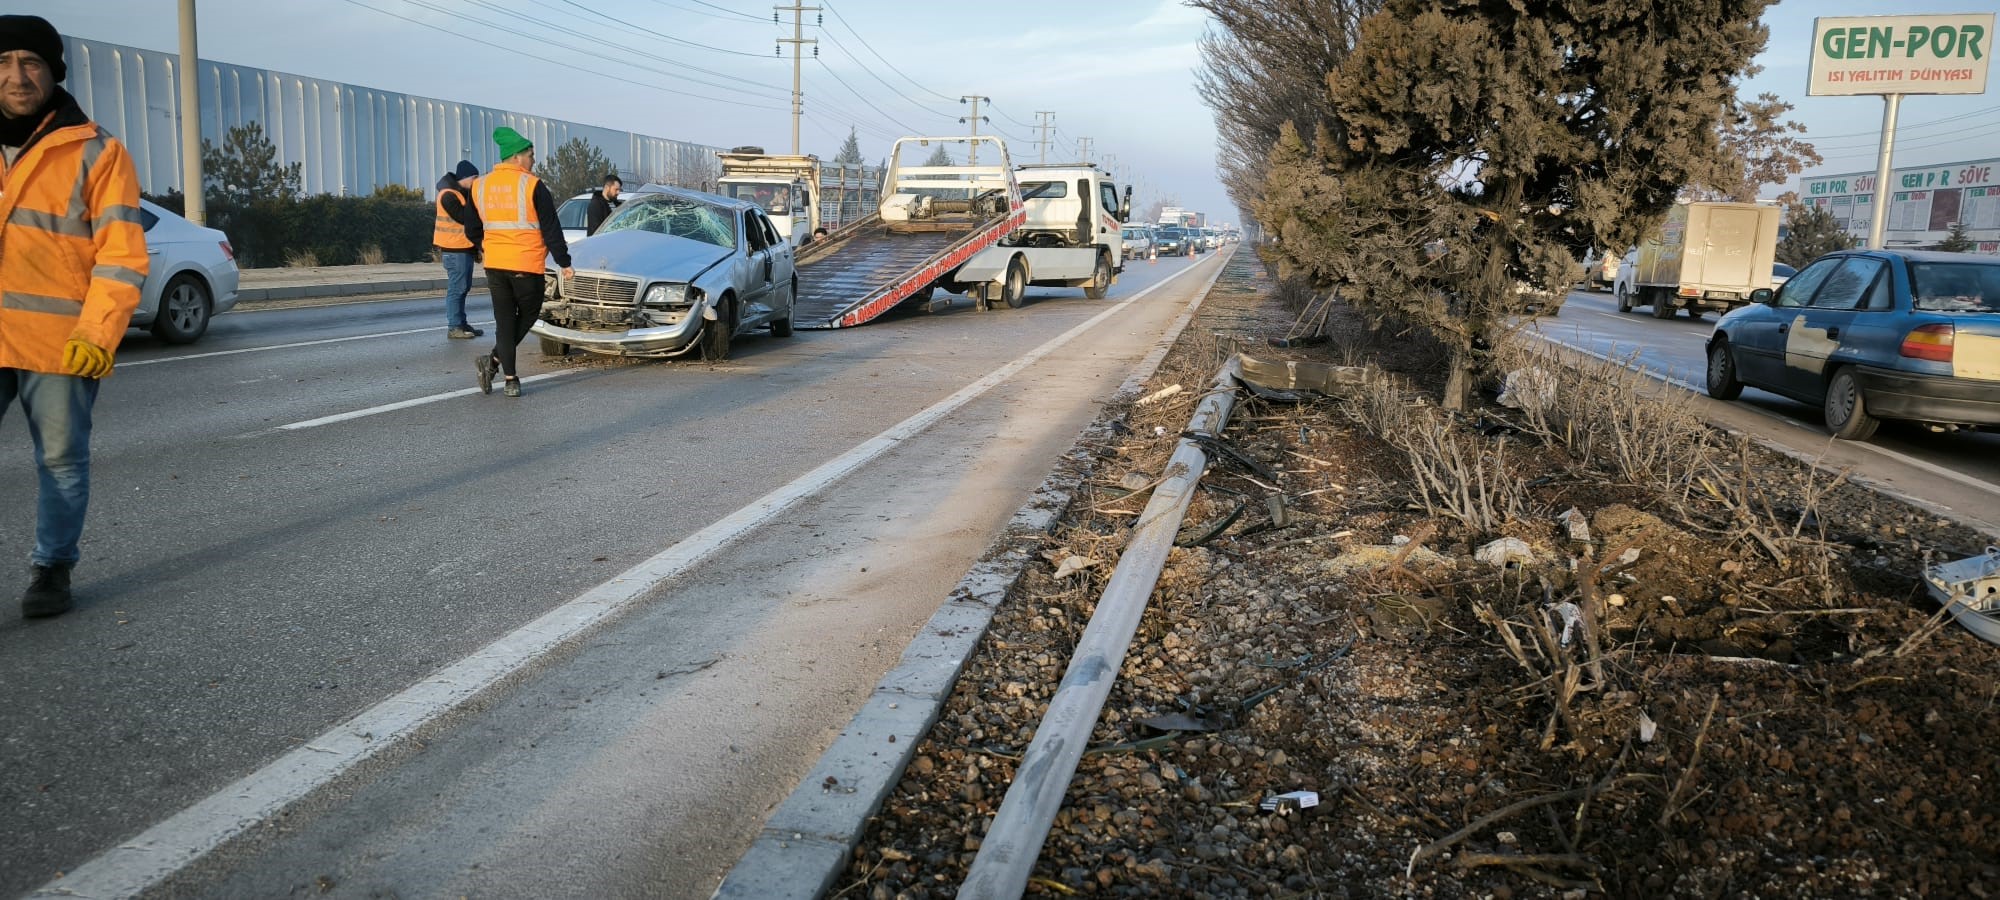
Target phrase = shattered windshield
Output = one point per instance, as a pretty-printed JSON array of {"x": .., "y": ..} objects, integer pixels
[
  {"x": 1955, "y": 287},
  {"x": 689, "y": 219}
]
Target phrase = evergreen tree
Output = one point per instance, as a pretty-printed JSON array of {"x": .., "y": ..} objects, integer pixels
[
  {"x": 1958, "y": 241},
  {"x": 1812, "y": 233},
  {"x": 939, "y": 157},
  {"x": 246, "y": 168},
  {"x": 1472, "y": 148},
  {"x": 850, "y": 151},
  {"x": 574, "y": 167}
]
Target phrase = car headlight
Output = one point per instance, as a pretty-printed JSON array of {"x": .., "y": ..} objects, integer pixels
[{"x": 666, "y": 295}]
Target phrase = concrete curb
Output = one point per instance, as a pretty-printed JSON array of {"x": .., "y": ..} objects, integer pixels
[
  {"x": 347, "y": 289},
  {"x": 806, "y": 844}
]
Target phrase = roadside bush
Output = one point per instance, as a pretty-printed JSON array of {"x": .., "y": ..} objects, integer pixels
[{"x": 333, "y": 230}]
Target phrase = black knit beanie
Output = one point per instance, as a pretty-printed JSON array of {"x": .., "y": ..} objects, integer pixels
[{"x": 35, "y": 35}]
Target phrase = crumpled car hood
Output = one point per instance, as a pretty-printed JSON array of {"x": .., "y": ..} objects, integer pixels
[{"x": 647, "y": 255}]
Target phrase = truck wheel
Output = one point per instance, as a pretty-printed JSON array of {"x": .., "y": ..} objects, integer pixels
[
  {"x": 1014, "y": 291},
  {"x": 1663, "y": 303},
  {"x": 715, "y": 336},
  {"x": 1624, "y": 298},
  {"x": 1846, "y": 410},
  {"x": 1100, "y": 280},
  {"x": 553, "y": 347},
  {"x": 1722, "y": 381}
]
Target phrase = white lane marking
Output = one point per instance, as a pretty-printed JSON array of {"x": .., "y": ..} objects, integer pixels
[
  {"x": 1904, "y": 458},
  {"x": 406, "y": 404},
  {"x": 338, "y": 340},
  {"x": 140, "y": 863}
]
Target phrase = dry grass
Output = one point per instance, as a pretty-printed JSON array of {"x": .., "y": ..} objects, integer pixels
[
  {"x": 301, "y": 259},
  {"x": 1459, "y": 476},
  {"x": 372, "y": 255}
]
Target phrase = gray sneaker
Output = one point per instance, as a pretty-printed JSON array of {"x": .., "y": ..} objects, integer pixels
[
  {"x": 482, "y": 366},
  {"x": 512, "y": 388},
  {"x": 464, "y": 334}
]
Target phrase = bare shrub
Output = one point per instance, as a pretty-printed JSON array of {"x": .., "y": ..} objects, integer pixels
[
  {"x": 1458, "y": 475},
  {"x": 301, "y": 259},
  {"x": 371, "y": 255}
]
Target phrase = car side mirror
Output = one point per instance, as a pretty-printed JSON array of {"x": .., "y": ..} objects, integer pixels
[
  {"x": 1763, "y": 295},
  {"x": 1125, "y": 206}
]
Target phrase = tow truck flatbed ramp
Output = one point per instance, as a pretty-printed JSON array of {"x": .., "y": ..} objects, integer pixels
[{"x": 864, "y": 270}]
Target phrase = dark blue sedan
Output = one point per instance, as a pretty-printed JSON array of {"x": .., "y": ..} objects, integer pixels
[{"x": 1871, "y": 335}]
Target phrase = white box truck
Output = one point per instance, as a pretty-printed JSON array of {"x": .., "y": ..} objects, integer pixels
[{"x": 1708, "y": 256}]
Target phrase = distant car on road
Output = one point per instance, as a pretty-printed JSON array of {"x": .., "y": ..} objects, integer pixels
[
  {"x": 192, "y": 280},
  {"x": 1781, "y": 273},
  {"x": 671, "y": 271},
  {"x": 1173, "y": 241},
  {"x": 1138, "y": 241},
  {"x": 1871, "y": 335}
]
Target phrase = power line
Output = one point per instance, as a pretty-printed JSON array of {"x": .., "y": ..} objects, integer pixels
[
  {"x": 553, "y": 62},
  {"x": 1854, "y": 134},
  {"x": 735, "y": 85},
  {"x": 870, "y": 103},
  {"x": 871, "y": 72},
  {"x": 660, "y": 35},
  {"x": 697, "y": 12},
  {"x": 878, "y": 54},
  {"x": 1902, "y": 132},
  {"x": 1945, "y": 142}
]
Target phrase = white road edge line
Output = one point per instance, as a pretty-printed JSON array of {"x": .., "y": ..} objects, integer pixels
[
  {"x": 406, "y": 404},
  {"x": 1903, "y": 458},
  {"x": 338, "y": 340},
  {"x": 142, "y": 862}
]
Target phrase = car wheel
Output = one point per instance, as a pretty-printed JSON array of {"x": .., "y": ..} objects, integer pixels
[
  {"x": 782, "y": 325},
  {"x": 1663, "y": 304},
  {"x": 1624, "y": 298},
  {"x": 1722, "y": 381},
  {"x": 184, "y": 310},
  {"x": 715, "y": 336},
  {"x": 1014, "y": 291},
  {"x": 1846, "y": 410},
  {"x": 553, "y": 347},
  {"x": 1100, "y": 280}
]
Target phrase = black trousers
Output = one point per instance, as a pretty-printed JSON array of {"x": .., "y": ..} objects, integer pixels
[{"x": 517, "y": 302}]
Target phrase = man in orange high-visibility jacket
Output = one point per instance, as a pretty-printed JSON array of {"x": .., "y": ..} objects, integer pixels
[
  {"x": 519, "y": 215},
  {"x": 456, "y": 237},
  {"x": 72, "y": 260}
]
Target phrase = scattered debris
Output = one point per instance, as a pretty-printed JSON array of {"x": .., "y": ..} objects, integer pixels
[
  {"x": 1072, "y": 564},
  {"x": 1506, "y": 553},
  {"x": 1157, "y": 396},
  {"x": 1970, "y": 590},
  {"x": 1575, "y": 525},
  {"x": 1289, "y": 802}
]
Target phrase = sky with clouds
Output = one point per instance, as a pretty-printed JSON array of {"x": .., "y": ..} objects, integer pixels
[{"x": 1119, "y": 72}]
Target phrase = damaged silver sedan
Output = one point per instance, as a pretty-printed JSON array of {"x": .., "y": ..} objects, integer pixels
[{"x": 672, "y": 271}]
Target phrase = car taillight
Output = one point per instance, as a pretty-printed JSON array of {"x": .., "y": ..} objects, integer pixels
[
  {"x": 227, "y": 250},
  {"x": 1931, "y": 342}
]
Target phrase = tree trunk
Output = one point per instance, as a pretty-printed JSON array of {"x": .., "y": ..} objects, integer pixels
[{"x": 1488, "y": 295}]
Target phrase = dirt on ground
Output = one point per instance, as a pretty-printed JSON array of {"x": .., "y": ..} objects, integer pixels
[{"x": 1681, "y": 703}]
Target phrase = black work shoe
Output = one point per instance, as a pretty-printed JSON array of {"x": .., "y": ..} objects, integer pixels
[
  {"x": 48, "y": 592},
  {"x": 483, "y": 365},
  {"x": 464, "y": 334},
  {"x": 513, "y": 387}
]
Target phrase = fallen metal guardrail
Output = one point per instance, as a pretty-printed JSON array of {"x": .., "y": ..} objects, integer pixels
[{"x": 1008, "y": 852}]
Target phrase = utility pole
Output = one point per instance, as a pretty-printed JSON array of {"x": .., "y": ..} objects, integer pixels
[
  {"x": 973, "y": 158},
  {"x": 1083, "y": 148},
  {"x": 798, "y": 40},
  {"x": 191, "y": 182},
  {"x": 1047, "y": 121}
]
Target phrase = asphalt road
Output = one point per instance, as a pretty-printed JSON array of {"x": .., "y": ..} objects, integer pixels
[
  {"x": 1960, "y": 471},
  {"x": 307, "y": 513}
]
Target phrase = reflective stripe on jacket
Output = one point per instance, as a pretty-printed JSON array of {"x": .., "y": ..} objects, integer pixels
[
  {"x": 447, "y": 234},
  {"x": 72, "y": 251},
  {"x": 505, "y": 198}
]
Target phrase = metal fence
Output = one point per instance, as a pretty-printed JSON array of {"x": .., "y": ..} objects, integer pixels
[{"x": 349, "y": 139}]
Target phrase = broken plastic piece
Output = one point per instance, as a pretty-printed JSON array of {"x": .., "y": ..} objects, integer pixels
[
  {"x": 1575, "y": 525},
  {"x": 1290, "y": 802},
  {"x": 1505, "y": 553}
]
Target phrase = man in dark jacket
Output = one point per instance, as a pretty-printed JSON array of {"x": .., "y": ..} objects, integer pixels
[
  {"x": 456, "y": 237},
  {"x": 602, "y": 202}
]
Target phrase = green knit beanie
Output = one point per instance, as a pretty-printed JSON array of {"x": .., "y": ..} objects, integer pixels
[{"x": 510, "y": 141}]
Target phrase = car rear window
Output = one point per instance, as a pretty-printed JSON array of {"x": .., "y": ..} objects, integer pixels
[
  {"x": 1955, "y": 287},
  {"x": 574, "y": 212}
]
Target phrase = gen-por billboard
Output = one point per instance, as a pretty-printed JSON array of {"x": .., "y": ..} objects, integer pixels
[
  {"x": 1924, "y": 202},
  {"x": 1900, "y": 55}
]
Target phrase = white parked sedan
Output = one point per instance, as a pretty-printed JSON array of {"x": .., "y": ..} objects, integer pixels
[{"x": 193, "y": 276}]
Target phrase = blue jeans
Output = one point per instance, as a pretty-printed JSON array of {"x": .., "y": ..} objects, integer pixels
[
  {"x": 58, "y": 411},
  {"x": 458, "y": 283}
]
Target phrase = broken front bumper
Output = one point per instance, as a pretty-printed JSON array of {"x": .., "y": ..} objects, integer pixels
[{"x": 591, "y": 329}]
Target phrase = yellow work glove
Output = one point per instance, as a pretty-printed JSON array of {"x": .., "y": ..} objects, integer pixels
[{"x": 85, "y": 359}]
